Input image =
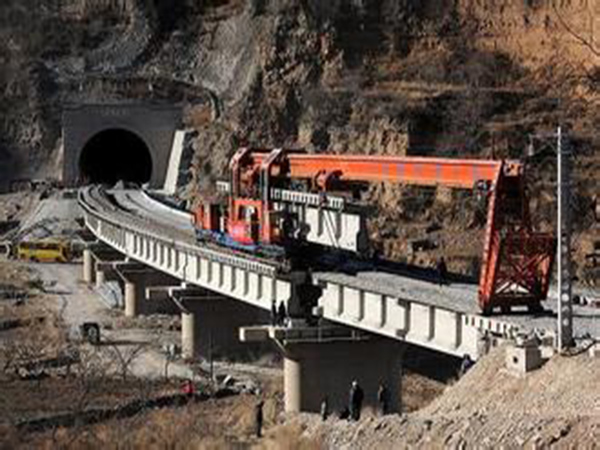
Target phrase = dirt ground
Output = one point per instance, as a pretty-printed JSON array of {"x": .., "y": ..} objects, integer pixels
[
  {"x": 98, "y": 381},
  {"x": 555, "y": 406},
  {"x": 17, "y": 205},
  {"x": 216, "y": 423}
]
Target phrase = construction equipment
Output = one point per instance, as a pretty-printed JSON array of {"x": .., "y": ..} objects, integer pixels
[{"x": 272, "y": 194}]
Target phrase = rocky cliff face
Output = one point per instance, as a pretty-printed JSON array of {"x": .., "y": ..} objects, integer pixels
[{"x": 468, "y": 77}]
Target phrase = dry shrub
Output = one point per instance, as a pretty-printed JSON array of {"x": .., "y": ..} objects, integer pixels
[
  {"x": 38, "y": 340},
  {"x": 155, "y": 430},
  {"x": 289, "y": 437},
  {"x": 173, "y": 428},
  {"x": 14, "y": 273},
  {"x": 195, "y": 426}
]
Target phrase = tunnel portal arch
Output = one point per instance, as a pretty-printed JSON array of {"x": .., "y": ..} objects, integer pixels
[
  {"x": 87, "y": 125},
  {"x": 115, "y": 154}
]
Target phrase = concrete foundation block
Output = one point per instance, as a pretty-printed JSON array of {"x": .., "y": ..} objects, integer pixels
[
  {"x": 523, "y": 359},
  {"x": 547, "y": 344},
  {"x": 594, "y": 351},
  {"x": 131, "y": 300},
  {"x": 547, "y": 351},
  {"x": 100, "y": 278},
  {"x": 254, "y": 334}
]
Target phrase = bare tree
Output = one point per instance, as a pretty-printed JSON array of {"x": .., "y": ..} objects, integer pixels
[
  {"x": 125, "y": 355},
  {"x": 90, "y": 373}
]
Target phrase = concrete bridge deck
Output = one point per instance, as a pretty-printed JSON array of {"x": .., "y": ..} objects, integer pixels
[
  {"x": 397, "y": 290},
  {"x": 445, "y": 318}
]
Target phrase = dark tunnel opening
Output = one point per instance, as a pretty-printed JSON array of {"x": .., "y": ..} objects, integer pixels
[{"x": 114, "y": 155}]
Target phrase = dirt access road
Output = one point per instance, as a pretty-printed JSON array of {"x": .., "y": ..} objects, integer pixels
[
  {"x": 223, "y": 420},
  {"x": 76, "y": 303}
]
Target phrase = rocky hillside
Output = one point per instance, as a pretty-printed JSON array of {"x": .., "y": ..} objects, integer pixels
[{"x": 467, "y": 78}]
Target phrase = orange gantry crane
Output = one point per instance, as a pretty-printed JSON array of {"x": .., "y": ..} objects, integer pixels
[{"x": 516, "y": 262}]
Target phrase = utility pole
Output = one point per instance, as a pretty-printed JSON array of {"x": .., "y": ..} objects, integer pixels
[{"x": 565, "y": 287}]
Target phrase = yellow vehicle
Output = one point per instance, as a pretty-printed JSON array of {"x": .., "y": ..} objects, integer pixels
[{"x": 44, "y": 251}]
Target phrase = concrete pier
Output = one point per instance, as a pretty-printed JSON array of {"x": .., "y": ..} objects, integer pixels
[
  {"x": 210, "y": 328},
  {"x": 88, "y": 266},
  {"x": 132, "y": 300},
  {"x": 97, "y": 264},
  {"x": 135, "y": 281},
  {"x": 188, "y": 335},
  {"x": 100, "y": 278},
  {"x": 315, "y": 371}
]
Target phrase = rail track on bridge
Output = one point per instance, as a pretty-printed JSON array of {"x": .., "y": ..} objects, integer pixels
[{"x": 443, "y": 318}]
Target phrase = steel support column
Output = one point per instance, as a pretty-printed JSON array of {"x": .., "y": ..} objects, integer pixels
[{"x": 565, "y": 305}]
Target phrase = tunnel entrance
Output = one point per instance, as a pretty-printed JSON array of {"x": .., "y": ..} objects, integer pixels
[{"x": 113, "y": 155}]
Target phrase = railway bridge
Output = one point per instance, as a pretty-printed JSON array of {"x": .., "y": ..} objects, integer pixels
[{"x": 362, "y": 317}]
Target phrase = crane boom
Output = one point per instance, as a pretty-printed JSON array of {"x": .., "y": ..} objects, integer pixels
[{"x": 459, "y": 173}]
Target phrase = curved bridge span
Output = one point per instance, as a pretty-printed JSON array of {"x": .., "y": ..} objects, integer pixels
[
  {"x": 415, "y": 311},
  {"x": 365, "y": 316}
]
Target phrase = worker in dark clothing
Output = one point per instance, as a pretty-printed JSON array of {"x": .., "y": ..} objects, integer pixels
[
  {"x": 466, "y": 364},
  {"x": 287, "y": 227},
  {"x": 324, "y": 409},
  {"x": 356, "y": 399},
  {"x": 442, "y": 271},
  {"x": 383, "y": 399},
  {"x": 258, "y": 417},
  {"x": 281, "y": 314},
  {"x": 273, "y": 313}
]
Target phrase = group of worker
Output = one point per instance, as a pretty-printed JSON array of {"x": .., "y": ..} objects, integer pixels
[
  {"x": 278, "y": 314},
  {"x": 352, "y": 412},
  {"x": 356, "y": 397}
]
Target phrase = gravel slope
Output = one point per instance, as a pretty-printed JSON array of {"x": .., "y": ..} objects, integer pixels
[{"x": 556, "y": 405}]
